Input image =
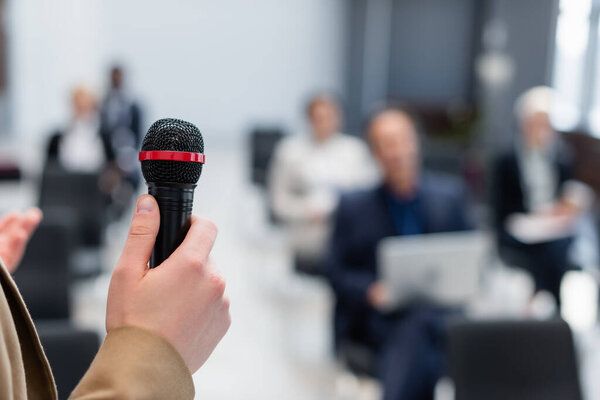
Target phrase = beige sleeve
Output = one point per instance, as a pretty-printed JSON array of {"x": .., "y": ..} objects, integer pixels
[{"x": 134, "y": 363}]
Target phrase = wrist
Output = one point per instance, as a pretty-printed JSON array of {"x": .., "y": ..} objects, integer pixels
[
  {"x": 135, "y": 362},
  {"x": 157, "y": 338}
]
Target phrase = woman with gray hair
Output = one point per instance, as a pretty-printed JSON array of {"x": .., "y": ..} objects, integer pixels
[{"x": 529, "y": 183}]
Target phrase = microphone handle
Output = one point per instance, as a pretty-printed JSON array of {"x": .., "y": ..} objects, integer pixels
[{"x": 175, "y": 201}]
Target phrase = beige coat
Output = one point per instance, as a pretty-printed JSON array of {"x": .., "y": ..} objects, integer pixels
[{"x": 132, "y": 363}]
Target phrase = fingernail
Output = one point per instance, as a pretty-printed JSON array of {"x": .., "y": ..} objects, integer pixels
[{"x": 145, "y": 205}]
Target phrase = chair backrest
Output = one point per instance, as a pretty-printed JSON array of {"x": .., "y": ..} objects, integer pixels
[
  {"x": 80, "y": 194},
  {"x": 10, "y": 172},
  {"x": 262, "y": 145},
  {"x": 358, "y": 358},
  {"x": 70, "y": 352},
  {"x": 43, "y": 277},
  {"x": 517, "y": 360}
]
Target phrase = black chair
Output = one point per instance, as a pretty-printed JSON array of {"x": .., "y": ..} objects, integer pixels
[
  {"x": 517, "y": 360},
  {"x": 10, "y": 172},
  {"x": 77, "y": 193},
  {"x": 43, "y": 276},
  {"x": 70, "y": 352},
  {"x": 309, "y": 266},
  {"x": 262, "y": 144},
  {"x": 76, "y": 197},
  {"x": 358, "y": 358}
]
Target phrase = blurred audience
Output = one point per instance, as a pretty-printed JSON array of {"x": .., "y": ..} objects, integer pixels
[
  {"x": 119, "y": 110},
  {"x": 120, "y": 121},
  {"x": 533, "y": 205},
  {"x": 307, "y": 175},
  {"x": 80, "y": 146},
  {"x": 408, "y": 342}
]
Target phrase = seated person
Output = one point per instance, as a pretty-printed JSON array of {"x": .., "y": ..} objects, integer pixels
[
  {"x": 120, "y": 122},
  {"x": 119, "y": 110},
  {"x": 407, "y": 342},
  {"x": 80, "y": 147},
  {"x": 308, "y": 173},
  {"x": 529, "y": 179}
]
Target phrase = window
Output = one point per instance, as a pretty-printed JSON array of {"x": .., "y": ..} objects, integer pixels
[
  {"x": 570, "y": 60},
  {"x": 576, "y": 63}
]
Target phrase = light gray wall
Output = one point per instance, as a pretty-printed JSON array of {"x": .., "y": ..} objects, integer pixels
[{"x": 223, "y": 64}]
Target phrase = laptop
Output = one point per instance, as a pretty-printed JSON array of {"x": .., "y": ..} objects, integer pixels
[{"x": 441, "y": 269}]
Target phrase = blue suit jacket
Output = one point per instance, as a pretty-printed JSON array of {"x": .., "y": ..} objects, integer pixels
[{"x": 361, "y": 221}]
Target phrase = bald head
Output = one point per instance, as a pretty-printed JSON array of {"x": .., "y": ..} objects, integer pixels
[{"x": 394, "y": 140}]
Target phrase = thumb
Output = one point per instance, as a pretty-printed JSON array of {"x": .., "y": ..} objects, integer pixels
[{"x": 141, "y": 237}]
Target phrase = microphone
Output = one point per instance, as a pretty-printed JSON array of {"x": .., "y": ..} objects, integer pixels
[{"x": 172, "y": 158}]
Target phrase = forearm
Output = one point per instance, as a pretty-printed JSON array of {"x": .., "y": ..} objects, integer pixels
[
  {"x": 135, "y": 363},
  {"x": 350, "y": 286}
]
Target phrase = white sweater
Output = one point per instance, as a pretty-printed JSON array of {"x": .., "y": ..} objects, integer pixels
[{"x": 307, "y": 178}]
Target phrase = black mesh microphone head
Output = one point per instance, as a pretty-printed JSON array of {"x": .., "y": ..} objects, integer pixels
[{"x": 171, "y": 134}]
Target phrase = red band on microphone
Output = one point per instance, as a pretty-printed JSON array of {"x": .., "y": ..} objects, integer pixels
[{"x": 171, "y": 156}]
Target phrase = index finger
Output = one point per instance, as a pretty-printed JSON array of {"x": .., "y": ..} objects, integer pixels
[
  {"x": 198, "y": 242},
  {"x": 31, "y": 220},
  {"x": 8, "y": 220}
]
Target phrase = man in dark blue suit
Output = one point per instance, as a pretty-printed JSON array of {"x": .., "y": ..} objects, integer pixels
[{"x": 408, "y": 342}]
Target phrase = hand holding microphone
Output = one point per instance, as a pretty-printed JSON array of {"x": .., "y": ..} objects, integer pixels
[{"x": 182, "y": 299}]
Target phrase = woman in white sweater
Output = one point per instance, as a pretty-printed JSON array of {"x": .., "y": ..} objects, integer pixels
[{"x": 307, "y": 176}]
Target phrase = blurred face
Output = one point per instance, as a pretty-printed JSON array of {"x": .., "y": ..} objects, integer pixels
[
  {"x": 394, "y": 142},
  {"x": 537, "y": 131},
  {"x": 116, "y": 78},
  {"x": 84, "y": 102},
  {"x": 324, "y": 118}
]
